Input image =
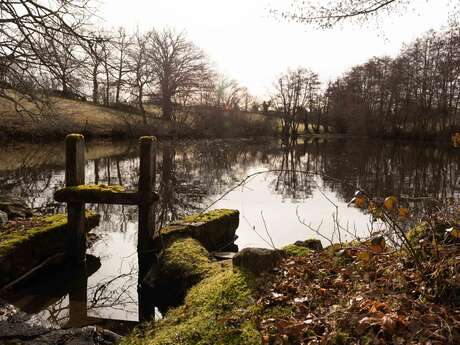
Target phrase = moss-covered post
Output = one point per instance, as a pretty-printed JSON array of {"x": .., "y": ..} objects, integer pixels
[
  {"x": 75, "y": 176},
  {"x": 146, "y": 215}
]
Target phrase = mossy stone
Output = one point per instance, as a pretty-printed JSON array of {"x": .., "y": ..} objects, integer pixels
[
  {"x": 184, "y": 263},
  {"x": 214, "y": 312},
  {"x": 257, "y": 260},
  {"x": 295, "y": 250},
  {"x": 22, "y": 250},
  {"x": 215, "y": 229}
]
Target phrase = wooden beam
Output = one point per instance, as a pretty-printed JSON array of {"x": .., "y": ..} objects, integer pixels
[
  {"x": 75, "y": 176},
  {"x": 93, "y": 197}
]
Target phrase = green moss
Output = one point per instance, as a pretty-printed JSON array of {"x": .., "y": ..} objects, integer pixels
[
  {"x": 74, "y": 137},
  {"x": 10, "y": 241},
  {"x": 293, "y": 250},
  {"x": 88, "y": 190},
  {"x": 148, "y": 138},
  {"x": 213, "y": 313},
  {"x": 340, "y": 338},
  {"x": 186, "y": 256},
  {"x": 277, "y": 312},
  {"x": 24, "y": 249},
  {"x": 214, "y": 229},
  {"x": 179, "y": 229},
  {"x": 210, "y": 216}
]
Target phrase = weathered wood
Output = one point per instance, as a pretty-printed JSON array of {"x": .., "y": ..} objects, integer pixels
[
  {"x": 75, "y": 176},
  {"x": 76, "y": 194},
  {"x": 147, "y": 171},
  {"x": 115, "y": 198},
  {"x": 75, "y": 160}
]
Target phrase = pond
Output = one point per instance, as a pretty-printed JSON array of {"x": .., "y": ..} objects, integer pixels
[{"x": 284, "y": 192}]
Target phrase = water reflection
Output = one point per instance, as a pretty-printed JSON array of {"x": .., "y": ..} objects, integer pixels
[{"x": 304, "y": 178}]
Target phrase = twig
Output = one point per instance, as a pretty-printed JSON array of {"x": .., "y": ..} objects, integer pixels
[
  {"x": 266, "y": 230},
  {"x": 311, "y": 228}
]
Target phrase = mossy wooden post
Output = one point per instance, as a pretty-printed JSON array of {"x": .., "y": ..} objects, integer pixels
[
  {"x": 75, "y": 176},
  {"x": 146, "y": 215}
]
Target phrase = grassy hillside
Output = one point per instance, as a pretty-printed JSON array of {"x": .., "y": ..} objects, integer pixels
[{"x": 62, "y": 116}]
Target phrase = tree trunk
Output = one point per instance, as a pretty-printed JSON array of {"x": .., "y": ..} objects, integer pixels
[
  {"x": 95, "y": 85},
  {"x": 167, "y": 108},
  {"x": 305, "y": 121},
  {"x": 107, "y": 86},
  {"x": 65, "y": 88},
  {"x": 141, "y": 106}
]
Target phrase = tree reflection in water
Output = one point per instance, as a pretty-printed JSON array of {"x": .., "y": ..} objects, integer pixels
[{"x": 192, "y": 174}]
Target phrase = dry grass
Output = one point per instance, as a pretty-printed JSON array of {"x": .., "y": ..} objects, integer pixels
[{"x": 62, "y": 116}]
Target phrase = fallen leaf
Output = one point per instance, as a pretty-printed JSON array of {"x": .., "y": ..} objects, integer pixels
[
  {"x": 378, "y": 244},
  {"x": 364, "y": 256},
  {"x": 403, "y": 212},
  {"x": 390, "y": 202}
]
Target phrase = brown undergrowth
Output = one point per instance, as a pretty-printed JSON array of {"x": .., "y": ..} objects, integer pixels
[{"x": 362, "y": 295}]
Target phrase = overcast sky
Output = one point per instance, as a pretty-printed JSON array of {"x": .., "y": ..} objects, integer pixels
[{"x": 246, "y": 43}]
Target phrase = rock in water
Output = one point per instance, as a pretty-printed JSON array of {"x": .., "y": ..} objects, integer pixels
[
  {"x": 14, "y": 207},
  {"x": 3, "y": 218},
  {"x": 257, "y": 260}
]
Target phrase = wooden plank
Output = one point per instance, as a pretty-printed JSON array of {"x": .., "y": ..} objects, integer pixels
[
  {"x": 75, "y": 176},
  {"x": 115, "y": 198}
]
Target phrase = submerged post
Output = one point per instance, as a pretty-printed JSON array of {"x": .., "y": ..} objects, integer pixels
[
  {"x": 147, "y": 171},
  {"x": 75, "y": 176}
]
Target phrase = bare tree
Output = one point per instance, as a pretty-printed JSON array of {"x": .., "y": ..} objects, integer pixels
[
  {"x": 141, "y": 69},
  {"x": 326, "y": 14},
  {"x": 295, "y": 92},
  {"x": 415, "y": 94},
  {"x": 177, "y": 65},
  {"x": 121, "y": 42},
  {"x": 24, "y": 25},
  {"x": 63, "y": 63},
  {"x": 228, "y": 93},
  {"x": 334, "y": 12}
]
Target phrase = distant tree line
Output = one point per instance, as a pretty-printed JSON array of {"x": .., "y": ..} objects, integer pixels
[{"x": 415, "y": 94}]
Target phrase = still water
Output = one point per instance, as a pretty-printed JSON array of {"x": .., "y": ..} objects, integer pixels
[{"x": 284, "y": 192}]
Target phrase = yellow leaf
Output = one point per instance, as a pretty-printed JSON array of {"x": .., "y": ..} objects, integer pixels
[
  {"x": 456, "y": 139},
  {"x": 403, "y": 212},
  {"x": 378, "y": 244},
  {"x": 390, "y": 202},
  {"x": 364, "y": 256}
]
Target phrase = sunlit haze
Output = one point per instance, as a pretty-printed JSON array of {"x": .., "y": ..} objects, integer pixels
[{"x": 247, "y": 43}]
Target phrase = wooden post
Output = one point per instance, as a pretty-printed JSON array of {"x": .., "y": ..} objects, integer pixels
[
  {"x": 78, "y": 297},
  {"x": 75, "y": 176},
  {"x": 147, "y": 171}
]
